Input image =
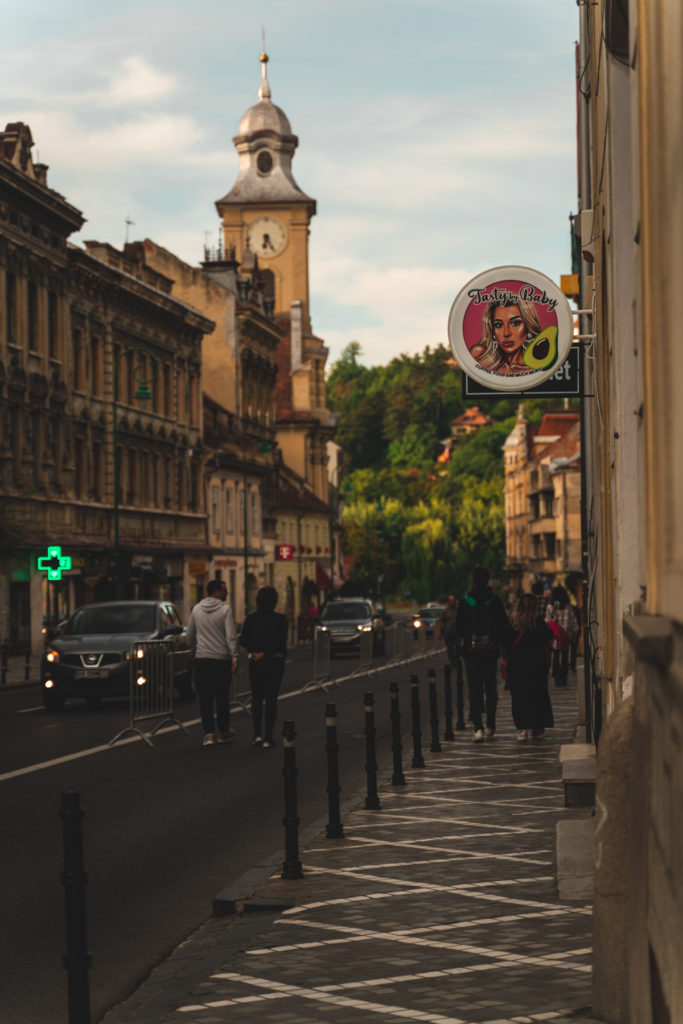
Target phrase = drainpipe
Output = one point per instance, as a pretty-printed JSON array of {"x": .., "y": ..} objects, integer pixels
[{"x": 586, "y": 366}]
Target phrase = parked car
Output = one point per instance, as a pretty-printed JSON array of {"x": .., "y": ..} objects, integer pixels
[
  {"x": 89, "y": 656},
  {"x": 346, "y": 619},
  {"x": 427, "y": 618}
]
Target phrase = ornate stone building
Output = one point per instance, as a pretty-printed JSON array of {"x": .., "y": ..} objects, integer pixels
[
  {"x": 543, "y": 499},
  {"x": 83, "y": 336},
  {"x": 239, "y": 373}
]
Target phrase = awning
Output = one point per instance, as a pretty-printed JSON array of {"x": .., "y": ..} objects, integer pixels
[{"x": 322, "y": 577}]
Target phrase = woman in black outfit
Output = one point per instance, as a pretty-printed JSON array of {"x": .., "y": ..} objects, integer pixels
[
  {"x": 527, "y": 644},
  {"x": 264, "y": 635}
]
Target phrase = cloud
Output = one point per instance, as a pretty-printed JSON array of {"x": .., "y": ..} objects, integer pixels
[
  {"x": 135, "y": 80},
  {"x": 388, "y": 310}
]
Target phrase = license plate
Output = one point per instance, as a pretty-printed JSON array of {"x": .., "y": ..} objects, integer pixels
[{"x": 91, "y": 673}]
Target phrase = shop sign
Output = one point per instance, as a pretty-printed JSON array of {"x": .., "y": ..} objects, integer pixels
[
  {"x": 284, "y": 552},
  {"x": 225, "y": 563},
  {"x": 142, "y": 561},
  {"x": 510, "y": 328},
  {"x": 564, "y": 383},
  {"x": 196, "y": 568}
]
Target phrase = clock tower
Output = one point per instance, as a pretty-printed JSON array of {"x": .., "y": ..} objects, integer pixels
[{"x": 265, "y": 212}]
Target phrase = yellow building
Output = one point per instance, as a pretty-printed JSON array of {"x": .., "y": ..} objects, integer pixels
[
  {"x": 543, "y": 499},
  {"x": 266, "y": 215},
  {"x": 265, "y": 220},
  {"x": 239, "y": 371}
]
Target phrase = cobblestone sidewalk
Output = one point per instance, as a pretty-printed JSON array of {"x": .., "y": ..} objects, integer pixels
[{"x": 440, "y": 907}]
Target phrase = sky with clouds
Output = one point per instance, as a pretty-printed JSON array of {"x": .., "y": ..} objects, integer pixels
[{"x": 437, "y": 136}]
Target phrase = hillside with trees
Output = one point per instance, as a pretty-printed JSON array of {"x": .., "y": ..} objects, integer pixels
[{"x": 418, "y": 523}]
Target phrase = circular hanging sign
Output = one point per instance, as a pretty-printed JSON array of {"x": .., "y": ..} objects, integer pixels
[{"x": 510, "y": 328}]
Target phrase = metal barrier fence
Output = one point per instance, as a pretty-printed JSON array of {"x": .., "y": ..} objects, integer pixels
[
  {"x": 151, "y": 689},
  {"x": 367, "y": 644},
  {"x": 322, "y": 652}
]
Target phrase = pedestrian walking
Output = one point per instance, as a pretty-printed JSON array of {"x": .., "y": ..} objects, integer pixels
[
  {"x": 482, "y": 624},
  {"x": 562, "y": 621},
  {"x": 538, "y": 590},
  {"x": 212, "y": 637},
  {"x": 528, "y": 643},
  {"x": 264, "y": 636},
  {"x": 448, "y": 630}
]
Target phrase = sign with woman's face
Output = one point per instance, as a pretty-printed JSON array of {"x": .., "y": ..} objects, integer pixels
[{"x": 510, "y": 328}]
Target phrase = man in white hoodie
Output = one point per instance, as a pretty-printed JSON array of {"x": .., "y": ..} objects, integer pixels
[{"x": 213, "y": 638}]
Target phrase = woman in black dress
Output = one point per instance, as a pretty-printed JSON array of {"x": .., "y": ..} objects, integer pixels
[
  {"x": 528, "y": 643},
  {"x": 264, "y": 635}
]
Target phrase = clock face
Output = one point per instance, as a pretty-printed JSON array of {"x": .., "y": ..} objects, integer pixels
[{"x": 267, "y": 236}]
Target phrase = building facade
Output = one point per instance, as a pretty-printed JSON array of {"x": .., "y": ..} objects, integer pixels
[
  {"x": 265, "y": 220},
  {"x": 630, "y": 244},
  {"x": 101, "y": 383},
  {"x": 543, "y": 501},
  {"x": 240, "y": 449}
]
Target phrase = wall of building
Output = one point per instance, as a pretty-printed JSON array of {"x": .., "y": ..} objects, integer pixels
[
  {"x": 201, "y": 291},
  {"x": 632, "y": 83}
]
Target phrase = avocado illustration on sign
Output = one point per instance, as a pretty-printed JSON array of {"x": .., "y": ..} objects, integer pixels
[{"x": 542, "y": 352}]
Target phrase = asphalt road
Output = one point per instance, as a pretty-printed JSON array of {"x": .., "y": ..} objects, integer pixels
[{"x": 165, "y": 829}]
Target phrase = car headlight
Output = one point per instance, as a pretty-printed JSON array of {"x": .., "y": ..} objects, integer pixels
[
  {"x": 51, "y": 655},
  {"x": 323, "y": 629},
  {"x": 365, "y": 629}
]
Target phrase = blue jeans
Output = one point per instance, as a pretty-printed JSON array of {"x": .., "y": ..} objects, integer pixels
[{"x": 482, "y": 679}]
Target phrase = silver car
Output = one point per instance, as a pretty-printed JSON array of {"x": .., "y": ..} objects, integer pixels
[{"x": 346, "y": 619}]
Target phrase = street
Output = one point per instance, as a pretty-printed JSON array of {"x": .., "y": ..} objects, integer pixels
[{"x": 165, "y": 828}]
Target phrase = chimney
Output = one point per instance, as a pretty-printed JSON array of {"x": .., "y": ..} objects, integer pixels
[{"x": 296, "y": 333}]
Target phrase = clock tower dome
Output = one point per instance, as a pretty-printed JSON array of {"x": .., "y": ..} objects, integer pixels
[{"x": 265, "y": 212}]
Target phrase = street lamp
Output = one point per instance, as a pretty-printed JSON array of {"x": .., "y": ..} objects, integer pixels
[
  {"x": 143, "y": 392},
  {"x": 264, "y": 446}
]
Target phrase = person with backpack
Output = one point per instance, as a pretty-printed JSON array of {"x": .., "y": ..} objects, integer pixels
[
  {"x": 482, "y": 624},
  {"x": 560, "y": 618}
]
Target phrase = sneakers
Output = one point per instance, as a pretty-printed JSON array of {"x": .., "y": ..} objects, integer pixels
[
  {"x": 489, "y": 733},
  {"x": 209, "y": 740},
  {"x": 257, "y": 741},
  {"x": 267, "y": 744},
  {"x": 478, "y": 736},
  {"x": 522, "y": 736},
  {"x": 225, "y": 737}
]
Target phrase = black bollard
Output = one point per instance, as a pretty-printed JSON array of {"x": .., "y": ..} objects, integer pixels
[
  {"x": 398, "y": 778},
  {"x": 371, "y": 799},
  {"x": 3, "y": 662},
  {"x": 459, "y": 695},
  {"x": 76, "y": 959},
  {"x": 335, "y": 829},
  {"x": 448, "y": 733},
  {"x": 433, "y": 712},
  {"x": 27, "y": 662},
  {"x": 418, "y": 759},
  {"x": 291, "y": 866}
]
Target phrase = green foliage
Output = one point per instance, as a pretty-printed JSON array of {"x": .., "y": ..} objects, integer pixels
[{"x": 417, "y": 524}]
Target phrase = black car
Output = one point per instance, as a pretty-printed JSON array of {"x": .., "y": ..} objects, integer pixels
[
  {"x": 89, "y": 655},
  {"x": 346, "y": 619}
]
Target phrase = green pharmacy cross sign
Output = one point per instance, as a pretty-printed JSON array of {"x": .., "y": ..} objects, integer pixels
[{"x": 55, "y": 563}]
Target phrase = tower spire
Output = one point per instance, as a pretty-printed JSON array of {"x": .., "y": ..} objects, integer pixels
[{"x": 264, "y": 88}]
